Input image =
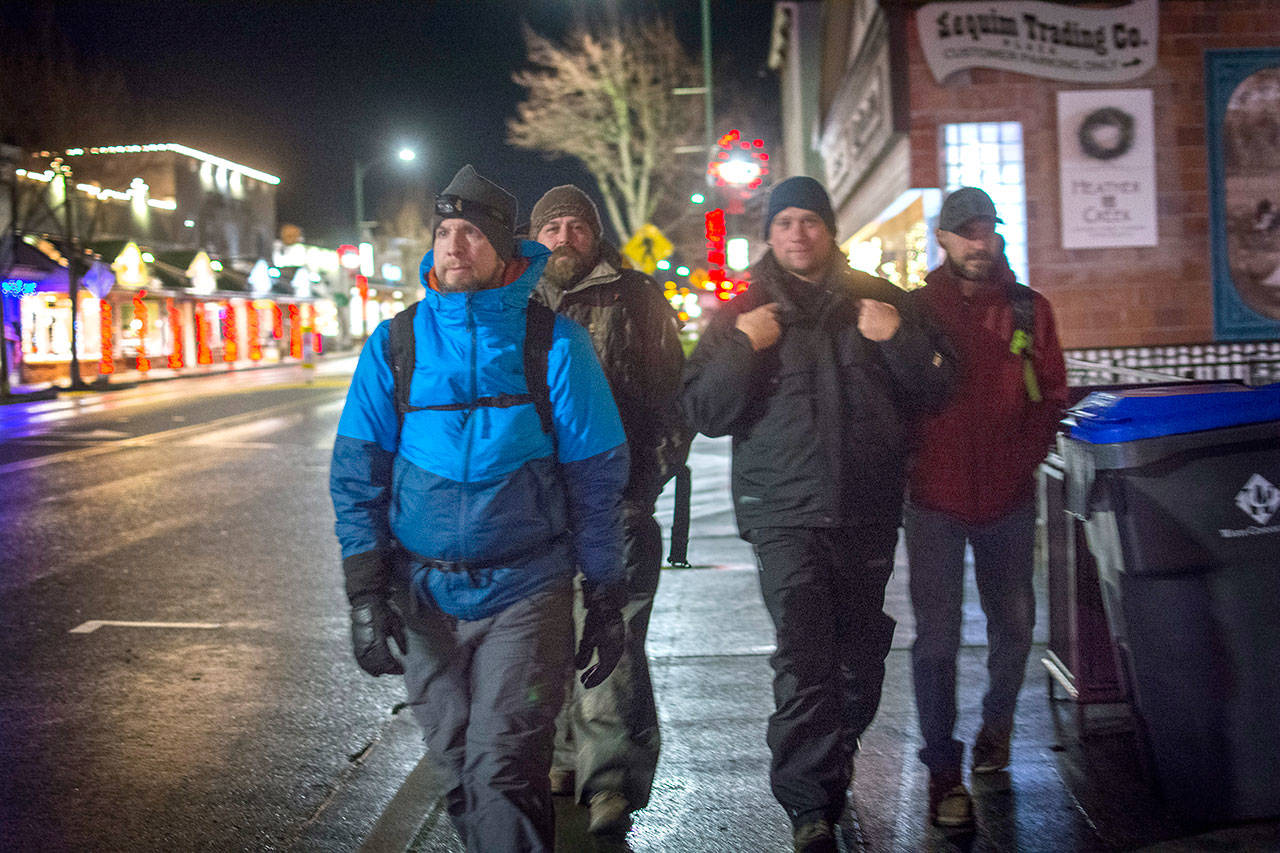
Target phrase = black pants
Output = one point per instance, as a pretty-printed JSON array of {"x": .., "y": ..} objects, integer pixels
[{"x": 824, "y": 589}]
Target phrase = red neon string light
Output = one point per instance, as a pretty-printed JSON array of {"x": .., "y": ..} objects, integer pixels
[
  {"x": 230, "y": 345},
  {"x": 204, "y": 355},
  {"x": 175, "y": 328},
  {"x": 295, "y": 332},
  {"x": 144, "y": 329},
  {"x": 107, "y": 361},
  {"x": 277, "y": 321},
  {"x": 255, "y": 345},
  {"x": 715, "y": 231}
]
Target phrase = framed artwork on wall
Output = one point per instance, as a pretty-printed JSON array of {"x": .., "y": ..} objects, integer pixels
[{"x": 1243, "y": 128}]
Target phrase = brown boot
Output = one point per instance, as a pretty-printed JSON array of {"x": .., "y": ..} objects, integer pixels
[
  {"x": 949, "y": 802},
  {"x": 562, "y": 781},
  {"x": 610, "y": 814}
]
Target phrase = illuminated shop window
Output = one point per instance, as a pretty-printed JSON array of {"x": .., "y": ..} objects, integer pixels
[{"x": 989, "y": 155}]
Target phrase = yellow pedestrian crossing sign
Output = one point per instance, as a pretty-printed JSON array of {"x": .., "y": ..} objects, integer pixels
[{"x": 646, "y": 247}]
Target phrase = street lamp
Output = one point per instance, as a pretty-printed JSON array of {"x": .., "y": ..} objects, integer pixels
[{"x": 404, "y": 154}]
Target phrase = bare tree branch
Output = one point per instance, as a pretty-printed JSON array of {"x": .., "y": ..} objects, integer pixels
[{"x": 606, "y": 100}]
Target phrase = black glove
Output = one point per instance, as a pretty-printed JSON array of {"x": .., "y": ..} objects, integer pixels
[
  {"x": 373, "y": 624},
  {"x": 603, "y": 633}
]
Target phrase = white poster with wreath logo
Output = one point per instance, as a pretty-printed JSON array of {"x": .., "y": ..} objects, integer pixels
[{"x": 1107, "y": 168}]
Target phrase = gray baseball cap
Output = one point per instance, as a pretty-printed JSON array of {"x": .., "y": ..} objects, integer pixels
[{"x": 964, "y": 204}]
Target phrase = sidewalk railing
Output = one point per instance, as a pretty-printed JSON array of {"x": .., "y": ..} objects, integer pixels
[{"x": 1252, "y": 362}]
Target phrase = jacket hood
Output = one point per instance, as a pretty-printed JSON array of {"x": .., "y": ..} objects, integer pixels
[{"x": 513, "y": 295}]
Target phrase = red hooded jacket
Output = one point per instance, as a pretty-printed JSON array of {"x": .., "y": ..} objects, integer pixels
[{"x": 977, "y": 457}]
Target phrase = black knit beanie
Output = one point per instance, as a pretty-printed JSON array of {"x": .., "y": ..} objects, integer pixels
[
  {"x": 484, "y": 204},
  {"x": 802, "y": 192}
]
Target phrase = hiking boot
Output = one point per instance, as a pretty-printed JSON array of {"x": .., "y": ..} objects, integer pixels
[
  {"x": 562, "y": 780},
  {"x": 991, "y": 750},
  {"x": 949, "y": 801},
  {"x": 610, "y": 814},
  {"x": 816, "y": 836}
]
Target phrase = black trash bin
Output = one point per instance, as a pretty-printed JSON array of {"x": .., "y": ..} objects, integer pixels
[{"x": 1180, "y": 490}]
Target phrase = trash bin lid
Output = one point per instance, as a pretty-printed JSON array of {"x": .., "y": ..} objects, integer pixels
[{"x": 1106, "y": 417}]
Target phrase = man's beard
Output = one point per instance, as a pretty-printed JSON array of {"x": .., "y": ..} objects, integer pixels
[
  {"x": 566, "y": 267},
  {"x": 469, "y": 284},
  {"x": 965, "y": 269}
]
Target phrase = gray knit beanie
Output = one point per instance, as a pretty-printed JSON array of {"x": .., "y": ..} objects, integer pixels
[{"x": 564, "y": 200}]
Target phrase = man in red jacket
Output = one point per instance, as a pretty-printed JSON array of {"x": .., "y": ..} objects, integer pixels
[{"x": 973, "y": 482}]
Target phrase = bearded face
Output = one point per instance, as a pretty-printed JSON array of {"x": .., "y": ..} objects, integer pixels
[
  {"x": 573, "y": 249},
  {"x": 567, "y": 266}
]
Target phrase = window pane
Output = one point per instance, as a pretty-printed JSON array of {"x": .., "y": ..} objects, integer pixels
[{"x": 989, "y": 155}]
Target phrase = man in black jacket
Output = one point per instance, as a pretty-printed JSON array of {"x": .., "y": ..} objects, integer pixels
[
  {"x": 816, "y": 371},
  {"x": 607, "y": 739}
]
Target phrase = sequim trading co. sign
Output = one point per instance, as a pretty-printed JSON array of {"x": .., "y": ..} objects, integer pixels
[{"x": 1041, "y": 39}]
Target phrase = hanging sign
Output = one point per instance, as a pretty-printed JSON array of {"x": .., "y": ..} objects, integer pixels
[
  {"x": 1107, "y": 168},
  {"x": 1050, "y": 40}
]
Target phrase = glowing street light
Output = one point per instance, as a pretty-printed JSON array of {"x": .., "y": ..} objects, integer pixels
[
  {"x": 739, "y": 172},
  {"x": 404, "y": 154}
]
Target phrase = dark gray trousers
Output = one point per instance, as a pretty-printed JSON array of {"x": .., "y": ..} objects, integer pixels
[
  {"x": 1003, "y": 552},
  {"x": 609, "y": 734},
  {"x": 486, "y": 693}
]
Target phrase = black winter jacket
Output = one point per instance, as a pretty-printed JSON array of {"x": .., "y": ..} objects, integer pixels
[
  {"x": 821, "y": 421},
  {"x": 636, "y": 335}
]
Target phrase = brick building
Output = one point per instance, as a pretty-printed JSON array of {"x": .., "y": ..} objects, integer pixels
[{"x": 1180, "y": 136}]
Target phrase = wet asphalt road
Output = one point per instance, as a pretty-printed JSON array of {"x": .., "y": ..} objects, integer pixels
[{"x": 229, "y": 716}]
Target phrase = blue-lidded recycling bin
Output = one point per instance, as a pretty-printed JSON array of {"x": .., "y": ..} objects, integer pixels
[{"x": 1179, "y": 486}]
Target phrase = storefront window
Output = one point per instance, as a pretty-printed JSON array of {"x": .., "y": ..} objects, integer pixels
[{"x": 989, "y": 155}]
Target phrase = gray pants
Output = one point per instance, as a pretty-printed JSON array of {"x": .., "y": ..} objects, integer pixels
[
  {"x": 1002, "y": 561},
  {"x": 486, "y": 693},
  {"x": 609, "y": 734}
]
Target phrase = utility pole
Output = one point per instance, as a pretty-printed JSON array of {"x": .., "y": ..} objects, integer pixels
[
  {"x": 708, "y": 112},
  {"x": 8, "y": 254},
  {"x": 76, "y": 383}
]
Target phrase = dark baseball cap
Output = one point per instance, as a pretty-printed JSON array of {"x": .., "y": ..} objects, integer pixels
[{"x": 964, "y": 204}]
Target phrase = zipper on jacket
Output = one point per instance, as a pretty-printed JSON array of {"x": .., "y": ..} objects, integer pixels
[
  {"x": 461, "y": 527},
  {"x": 473, "y": 383}
]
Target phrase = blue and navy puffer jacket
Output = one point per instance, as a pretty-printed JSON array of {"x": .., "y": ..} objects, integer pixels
[{"x": 482, "y": 484}]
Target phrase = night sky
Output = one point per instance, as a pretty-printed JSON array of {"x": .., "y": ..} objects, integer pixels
[{"x": 304, "y": 89}]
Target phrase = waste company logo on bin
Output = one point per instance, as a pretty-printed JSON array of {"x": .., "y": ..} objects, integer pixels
[{"x": 1259, "y": 499}]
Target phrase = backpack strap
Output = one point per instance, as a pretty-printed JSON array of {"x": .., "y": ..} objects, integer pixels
[
  {"x": 401, "y": 345},
  {"x": 539, "y": 324},
  {"x": 1022, "y": 301},
  {"x": 679, "y": 557}
]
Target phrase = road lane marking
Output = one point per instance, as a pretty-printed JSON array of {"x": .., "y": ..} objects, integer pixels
[
  {"x": 150, "y": 439},
  {"x": 94, "y": 624}
]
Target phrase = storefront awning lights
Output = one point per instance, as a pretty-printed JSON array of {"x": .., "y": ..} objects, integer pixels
[
  {"x": 178, "y": 149},
  {"x": 44, "y": 177},
  {"x": 18, "y": 286}
]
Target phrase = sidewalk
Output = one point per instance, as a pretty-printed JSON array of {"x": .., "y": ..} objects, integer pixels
[
  {"x": 337, "y": 362},
  {"x": 709, "y": 644}
]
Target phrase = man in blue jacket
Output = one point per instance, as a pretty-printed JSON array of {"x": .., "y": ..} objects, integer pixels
[{"x": 462, "y": 519}]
